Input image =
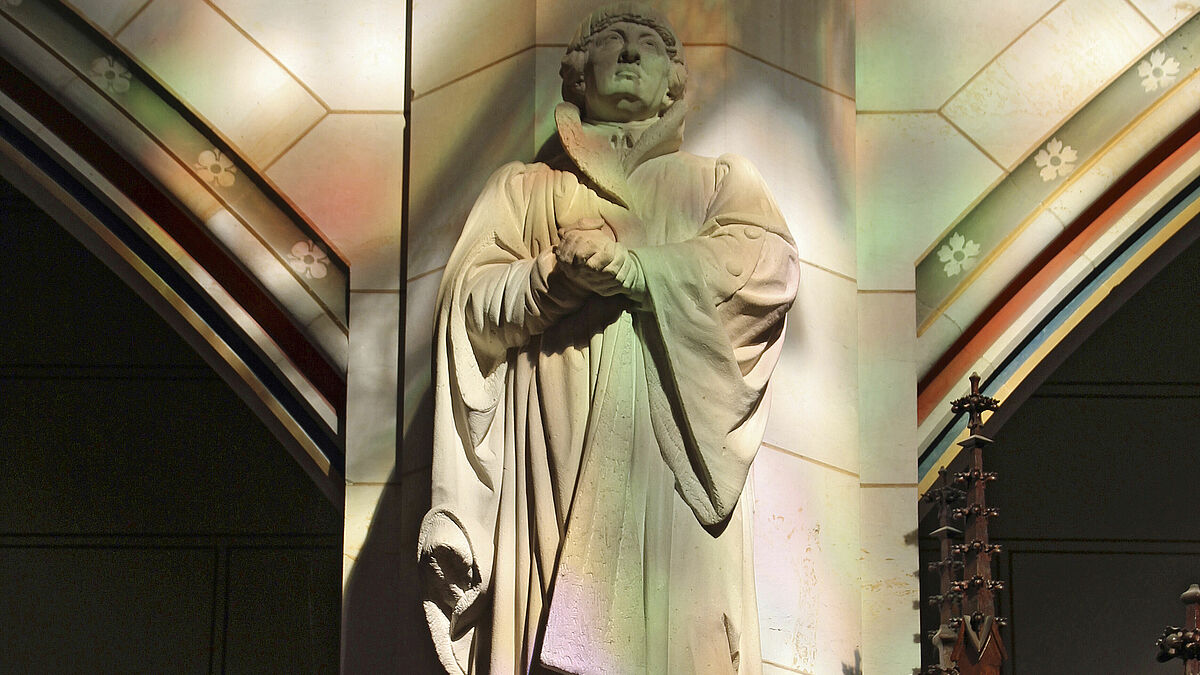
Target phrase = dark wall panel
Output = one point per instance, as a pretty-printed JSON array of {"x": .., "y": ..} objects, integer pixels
[
  {"x": 1095, "y": 611},
  {"x": 116, "y": 451},
  {"x": 301, "y": 633},
  {"x": 149, "y": 522},
  {"x": 88, "y": 610}
]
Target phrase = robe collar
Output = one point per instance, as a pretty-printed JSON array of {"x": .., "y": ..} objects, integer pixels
[{"x": 608, "y": 152}]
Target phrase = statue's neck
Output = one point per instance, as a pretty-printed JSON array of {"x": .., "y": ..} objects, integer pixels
[
  {"x": 607, "y": 152},
  {"x": 631, "y": 130}
]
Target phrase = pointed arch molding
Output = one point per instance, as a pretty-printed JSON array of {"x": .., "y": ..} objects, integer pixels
[
  {"x": 1127, "y": 235},
  {"x": 1073, "y": 229},
  {"x": 172, "y": 209}
]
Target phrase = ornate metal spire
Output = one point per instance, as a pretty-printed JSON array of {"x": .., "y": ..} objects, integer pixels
[
  {"x": 967, "y": 599},
  {"x": 949, "y": 570}
]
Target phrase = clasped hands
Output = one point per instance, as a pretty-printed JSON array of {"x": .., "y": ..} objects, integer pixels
[{"x": 589, "y": 254}]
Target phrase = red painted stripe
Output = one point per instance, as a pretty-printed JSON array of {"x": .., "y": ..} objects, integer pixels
[
  {"x": 951, "y": 368},
  {"x": 180, "y": 226}
]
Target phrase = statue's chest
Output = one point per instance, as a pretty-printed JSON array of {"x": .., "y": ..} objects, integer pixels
[
  {"x": 672, "y": 198},
  {"x": 669, "y": 195}
]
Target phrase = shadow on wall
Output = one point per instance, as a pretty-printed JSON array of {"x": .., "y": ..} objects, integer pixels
[
  {"x": 855, "y": 669},
  {"x": 383, "y": 629}
]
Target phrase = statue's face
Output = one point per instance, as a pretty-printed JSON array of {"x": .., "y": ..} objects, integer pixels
[{"x": 626, "y": 74}]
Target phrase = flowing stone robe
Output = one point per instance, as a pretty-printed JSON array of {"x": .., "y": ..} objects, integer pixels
[{"x": 595, "y": 453}]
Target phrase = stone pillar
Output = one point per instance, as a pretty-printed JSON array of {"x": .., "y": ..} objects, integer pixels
[{"x": 373, "y": 552}]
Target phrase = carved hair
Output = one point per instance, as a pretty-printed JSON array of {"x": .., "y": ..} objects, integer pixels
[{"x": 574, "y": 61}]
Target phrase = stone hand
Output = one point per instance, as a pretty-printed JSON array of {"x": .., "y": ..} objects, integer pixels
[
  {"x": 595, "y": 262},
  {"x": 592, "y": 248},
  {"x": 591, "y": 260},
  {"x": 448, "y": 568}
]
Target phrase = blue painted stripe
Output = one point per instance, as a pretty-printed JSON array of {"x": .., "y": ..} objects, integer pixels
[
  {"x": 1061, "y": 313},
  {"x": 196, "y": 300}
]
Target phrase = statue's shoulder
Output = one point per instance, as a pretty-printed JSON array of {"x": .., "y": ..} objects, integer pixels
[
  {"x": 724, "y": 166},
  {"x": 515, "y": 175},
  {"x": 737, "y": 168},
  {"x": 735, "y": 162}
]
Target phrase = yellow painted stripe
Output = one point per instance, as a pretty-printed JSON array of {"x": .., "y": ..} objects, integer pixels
[{"x": 1081, "y": 312}]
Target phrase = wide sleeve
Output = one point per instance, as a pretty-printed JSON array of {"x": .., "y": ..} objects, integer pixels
[
  {"x": 498, "y": 289},
  {"x": 713, "y": 335}
]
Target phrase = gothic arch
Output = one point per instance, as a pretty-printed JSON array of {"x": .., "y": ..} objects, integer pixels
[{"x": 217, "y": 257}]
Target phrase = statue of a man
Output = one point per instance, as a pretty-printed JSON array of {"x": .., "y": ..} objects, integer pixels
[{"x": 607, "y": 326}]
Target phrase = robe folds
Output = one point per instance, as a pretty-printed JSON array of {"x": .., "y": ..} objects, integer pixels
[{"x": 591, "y": 453}]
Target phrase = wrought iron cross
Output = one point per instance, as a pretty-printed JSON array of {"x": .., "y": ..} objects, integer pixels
[{"x": 974, "y": 404}]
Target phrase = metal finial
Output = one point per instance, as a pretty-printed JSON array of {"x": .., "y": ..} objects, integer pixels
[{"x": 974, "y": 404}]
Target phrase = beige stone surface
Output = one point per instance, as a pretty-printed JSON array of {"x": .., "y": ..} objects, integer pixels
[
  {"x": 1055, "y": 67},
  {"x": 350, "y": 54},
  {"x": 806, "y": 520},
  {"x": 372, "y": 387},
  {"x": 417, "y": 417},
  {"x": 225, "y": 78},
  {"x": 454, "y": 38},
  {"x": 811, "y": 38},
  {"x": 546, "y": 92},
  {"x": 345, "y": 176},
  {"x": 887, "y": 387},
  {"x": 815, "y": 387},
  {"x": 107, "y": 15},
  {"x": 361, "y": 502},
  {"x": 800, "y": 136},
  {"x": 890, "y": 580},
  {"x": 453, "y": 154},
  {"x": 326, "y": 331},
  {"x": 1167, "y": 15},
  {"x": 901, "y": 211},
  {"x": 915, "y": 54}
]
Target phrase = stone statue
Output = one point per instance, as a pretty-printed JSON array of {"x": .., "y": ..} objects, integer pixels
[{"x": 606, "y": 329}]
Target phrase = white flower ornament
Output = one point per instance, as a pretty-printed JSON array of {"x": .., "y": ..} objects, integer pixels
[
  {"x": 215, "y": 167},
  {"x": 110, "y": 75},
  {"x": 1055, "y": 159},
  {"x": 1158, "y": 71},
  {"x": 958, "y": 253},
  {"x": 308, "y": 259}
]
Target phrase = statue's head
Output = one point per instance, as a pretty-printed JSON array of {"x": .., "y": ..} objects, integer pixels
[{"x": 624, "y": 64}]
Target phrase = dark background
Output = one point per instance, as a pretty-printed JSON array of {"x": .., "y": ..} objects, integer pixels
[
  {"x": 1099, "y": 492},
  {"x": 149, "y": 522}
]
